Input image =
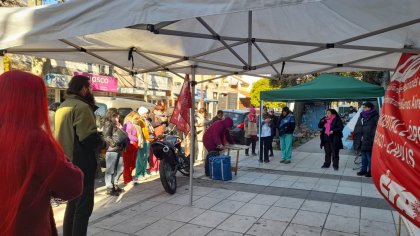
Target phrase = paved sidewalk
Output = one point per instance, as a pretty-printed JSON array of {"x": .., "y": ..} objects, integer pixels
[{"x": 264, "y": 199}]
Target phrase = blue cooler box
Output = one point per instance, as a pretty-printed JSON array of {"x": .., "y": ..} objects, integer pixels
[{"x": 220, "y": 168}]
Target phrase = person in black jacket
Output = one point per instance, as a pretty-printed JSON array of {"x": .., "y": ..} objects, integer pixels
[
  {"x": 114, "y": 161},
  {"x": 364, "y": 134},
  {"x": 332, "y": 132}
]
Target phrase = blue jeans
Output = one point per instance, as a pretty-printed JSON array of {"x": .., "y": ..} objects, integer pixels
[
  {"x": 366, "y": 161},
  {"x": 114, "y": 168}
]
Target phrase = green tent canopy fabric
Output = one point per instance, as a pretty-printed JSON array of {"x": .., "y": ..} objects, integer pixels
[{"x": 326, "y": 87}]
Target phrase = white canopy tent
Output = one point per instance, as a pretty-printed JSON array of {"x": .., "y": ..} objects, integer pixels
[{"x": 223, "y": 37}]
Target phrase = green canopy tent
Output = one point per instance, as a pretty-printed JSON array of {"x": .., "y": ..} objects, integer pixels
[{"x": 326, "y": 87}]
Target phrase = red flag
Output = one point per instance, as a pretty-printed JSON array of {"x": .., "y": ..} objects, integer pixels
[
  {"x": 396, "y": 150},
  {"x": 181, "y": 115}
]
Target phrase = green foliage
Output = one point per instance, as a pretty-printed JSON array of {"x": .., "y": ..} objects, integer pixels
[{"x": 263, "y": 85}]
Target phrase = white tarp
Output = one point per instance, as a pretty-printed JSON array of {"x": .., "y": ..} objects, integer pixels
[{"x": 100, "y": 27}]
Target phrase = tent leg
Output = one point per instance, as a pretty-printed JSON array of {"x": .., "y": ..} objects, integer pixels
[
  {"x": 259, "y": 130},
  {"x": 192, "y": 132}
]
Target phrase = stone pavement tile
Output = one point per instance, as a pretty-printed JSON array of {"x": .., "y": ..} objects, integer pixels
[
  {"x": 264, "y": 182},
  {"x": 350, "y": 184},
  {"x": 347, "y": 199},
  {"x": 330, "y": 182},
  {"x": 185, "y": 214},
  {"x": 202, "y": 191},
  {"x": 264, "y": 199},
  {"x": 303, "y": 185},
  {"x": 221, "y": 193},
  {"x": 267, "y": 228},
  {"x": 243, "y": 180},
  {"x": 162, "y": 210},
  {"x": 139, "y": 208},
  {"x": 164, "y": 197},
  {"x": 308, "y": 180},
  {"x": 289, "y": 178},
  {"x": 206, "y": 202},
  {"x": 270, "y": 176},
  {"x": 162, "y": 227},
  {"x": 342, "y": 224},
  {"x": 227, "y": 206},
  {"x": 327, "y": 232},
  {"x": 349, "y": 191},
  {"x": 110, "y": 233},
  {"x": 316, "y": 206},
  {"x": 310, "y": 218},
  {"x": 237, "y": 223},
  {"x": 288, "y": 202},
  {"x": 210, "y": 218},
  {"x": 320, "y": 196},
  {"x": 296, "y": 193},
  {"x": 345, "y": 210},
  {"x": 242, "y": 196},
  {"x": 374, "y": 228},
  {"x": 91, "y": 230},
  {"x": 250, "y": 209},
  {"x": 371, "y": 193},
  {"x": 282, "y": 183},
  {"x": 253, "y": 174},
  {"x": 280, "y": 214},
  {"x": 377, "y": 215},
  {"x": 109, "y": 222},
  {"x": 191, "y": 230},
  {"x": 135, "y": 224},
  {"x": 182, "y": 200},
  {"x": 218, "y": 232},
  {"x": 325, "y": 188},
  {"x": 301, "y": 230}
]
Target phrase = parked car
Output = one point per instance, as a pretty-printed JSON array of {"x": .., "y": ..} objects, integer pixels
[{"x": 238, "y": 117}]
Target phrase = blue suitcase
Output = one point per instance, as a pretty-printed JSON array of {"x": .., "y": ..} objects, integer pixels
[{"x": 220, "y": 168}]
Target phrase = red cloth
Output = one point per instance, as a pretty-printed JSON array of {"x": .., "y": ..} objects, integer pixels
[
  {"x": 217, "y": 133},
  {"x": 35, "y": 216},
  {"x": 129, "y": 160},
  {"x": 154, "y": 163},
  {"x": 181, "y": 115}
]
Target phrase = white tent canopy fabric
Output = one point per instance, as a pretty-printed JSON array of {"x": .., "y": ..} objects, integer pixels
[{"x": 222, "y": 37}]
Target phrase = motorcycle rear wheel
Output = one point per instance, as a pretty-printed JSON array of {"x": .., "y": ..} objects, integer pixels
[
  {"x": 168, "y": 176},
  {"x": 185, "y": 168}
]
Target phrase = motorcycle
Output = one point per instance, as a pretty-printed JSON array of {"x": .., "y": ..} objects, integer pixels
[{"x": 172, "y": 159}]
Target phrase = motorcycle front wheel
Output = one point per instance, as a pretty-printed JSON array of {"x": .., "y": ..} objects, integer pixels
[{"x": 168, "y": 176}]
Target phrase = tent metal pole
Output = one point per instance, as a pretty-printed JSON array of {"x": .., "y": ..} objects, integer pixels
[
  {"x": 218, "y": 77},
  {"x": 216, "y": 69},
  {"x": 192, "y": 132},
  {"x": 221, "y": 40},
  {"x": 340, "y": 65},
  {"x": 250, "y": 38},
  {"x": 260, "y": 128},
  {"x": 265, "y": 57},
  {"x": 197, "y": 35},
  {"x": 157, "y": 63},
  {"x": 216, "y": 63}
]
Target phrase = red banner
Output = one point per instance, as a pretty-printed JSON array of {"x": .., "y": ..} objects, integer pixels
[
  {"x": 181, "y": 115},
  {"x": 396, "y": 151}
]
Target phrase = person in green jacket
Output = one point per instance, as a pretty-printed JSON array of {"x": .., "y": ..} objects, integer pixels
[{"x": 76, "y": 131}]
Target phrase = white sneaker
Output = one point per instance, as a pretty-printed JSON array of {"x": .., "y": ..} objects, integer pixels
[
  {"x": 153, "y": 173},
  {"x": 147, "y": 176},
  {"x": 142, "y": 178}
]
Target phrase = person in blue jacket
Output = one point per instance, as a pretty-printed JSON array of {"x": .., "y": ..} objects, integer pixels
[{"x": 286, "y": 128}]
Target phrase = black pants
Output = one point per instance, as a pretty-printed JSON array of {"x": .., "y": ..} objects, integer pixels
[
  {"x": 265, "y": 145},
  {"x": 253, "y": 142},
  {"x": 78, "y": 211},
  {"x": 331, "y": 152},
  {"x": 271, "y": 146},
  {"x": 206, "y": 162}
]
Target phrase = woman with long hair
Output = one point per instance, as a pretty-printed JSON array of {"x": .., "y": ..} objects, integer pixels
[
  {"x": 33, "y": 166},
  {"x": 113, "y": 159},
  {"x": 132, "y": 128},
  {"x": 331, "y": 134}
]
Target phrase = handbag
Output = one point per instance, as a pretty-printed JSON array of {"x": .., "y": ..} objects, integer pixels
[{"x": 120, "y": 137}]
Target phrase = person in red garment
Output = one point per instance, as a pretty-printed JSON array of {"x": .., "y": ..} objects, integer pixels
[
  {"x": 34, "y": 168},
  {"x": 215, "y": 139}
]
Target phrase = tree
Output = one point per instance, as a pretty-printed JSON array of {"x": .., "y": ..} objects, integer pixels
[{"x": 263, "y": 85}]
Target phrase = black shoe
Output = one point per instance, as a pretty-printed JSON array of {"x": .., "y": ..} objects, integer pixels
[
  {"x": 112, "y": 192},
  {"x": 325, "y": 166},
  {"x": 368, "y": 174},
  {"x": 361, "y": 173},
  {"x": 282, "y": 161},
  {"x": 266, "y": 161},
  {"x": 261, "y": 161},
  {"x": 335, "y": 168},
  {"x": 246, "y": 154},
  {"x": 287, "y": 162},
  {"x": 119, "y": 190},
  {"x": 254, "y": 154},
  {"x": 271, "y": 154}
]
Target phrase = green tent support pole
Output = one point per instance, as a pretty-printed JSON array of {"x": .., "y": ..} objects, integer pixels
[{"x": 259, "y": 130}]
